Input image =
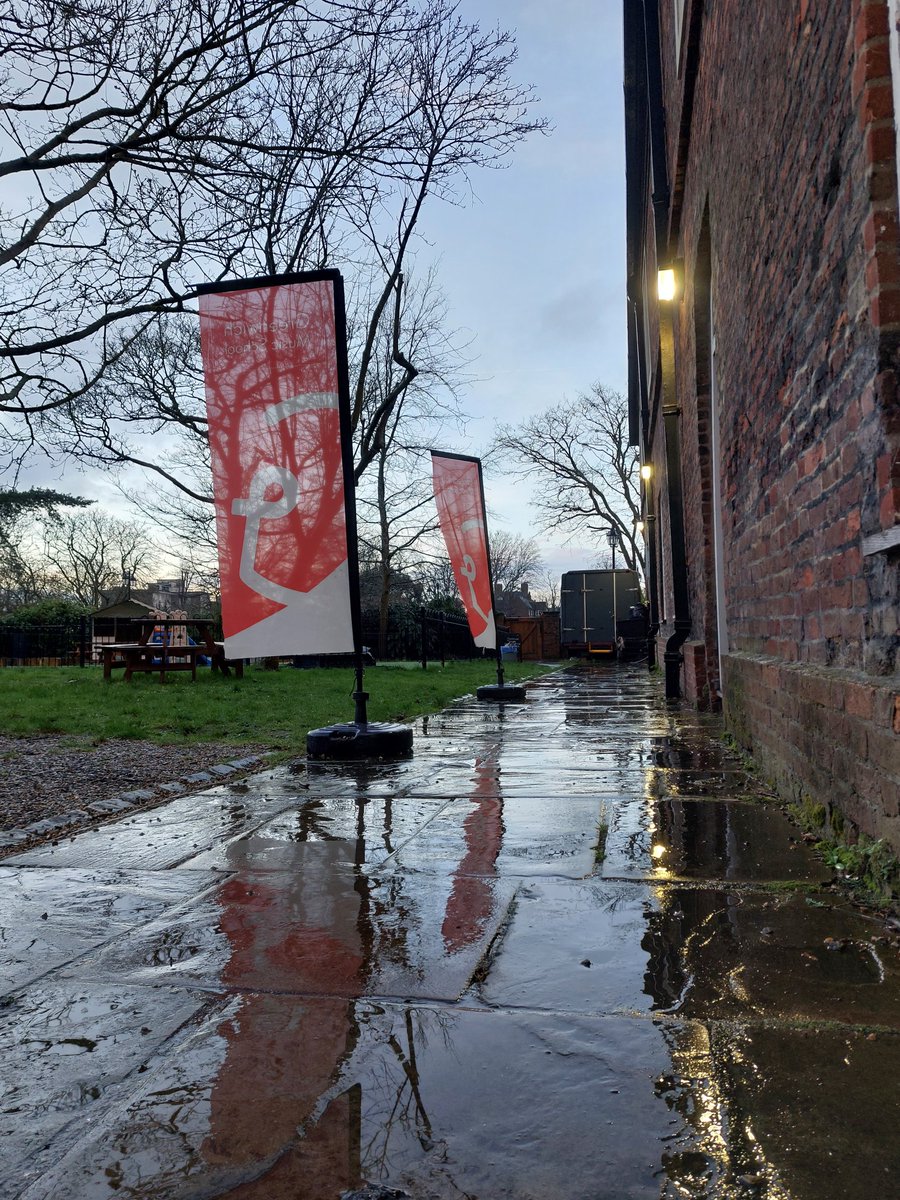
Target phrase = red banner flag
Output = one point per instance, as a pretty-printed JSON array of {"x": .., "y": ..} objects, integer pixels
[
  {"x": 270, "y": 360},
  {"x": 459, "y": 495}
]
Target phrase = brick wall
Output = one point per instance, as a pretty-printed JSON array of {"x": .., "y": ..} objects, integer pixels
[{"x": 789, "y": 163}]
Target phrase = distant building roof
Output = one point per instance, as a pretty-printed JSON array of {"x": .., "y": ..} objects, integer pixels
[
  {"x": 518, "y": 603},
  {"x": 122, "y": 608},
  {"x": 163, "y": 596}
]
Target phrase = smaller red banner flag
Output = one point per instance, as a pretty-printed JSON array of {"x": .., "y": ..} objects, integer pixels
[{"x": 459, "y": 495}]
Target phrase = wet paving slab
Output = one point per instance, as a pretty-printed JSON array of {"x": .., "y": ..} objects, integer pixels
[
  {"x": 441, "y": 1103},
  {"x": 48, "y": 918},
  {"x": 70, "y": 1051},
  {"x": 425, "y": 977},
  {"x": 319, "y": 928},
  {"x": 348, "y": 1092},
  {"x": 705, "y": 953}
]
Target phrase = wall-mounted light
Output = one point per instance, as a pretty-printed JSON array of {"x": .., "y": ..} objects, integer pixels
[
  {"x": 639, "y": 526},
  {"x": 646, "y": 472},
  {"x": 665, "y": 284}
]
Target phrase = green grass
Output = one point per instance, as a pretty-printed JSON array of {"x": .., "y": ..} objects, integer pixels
[
  {"x": 602, "y": 834},
  {"x": 271, "y": 708},
  {"x": 600, "y": 847},
  {"x": 870, "y": 867}
]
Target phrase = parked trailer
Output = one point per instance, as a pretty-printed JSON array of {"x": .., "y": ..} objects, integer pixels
[{"x": 600, "y": 614}]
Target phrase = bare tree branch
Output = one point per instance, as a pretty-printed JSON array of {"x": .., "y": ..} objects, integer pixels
[
  {"x": 578, "y": 455},
  {"x": 157, "y": 143}
]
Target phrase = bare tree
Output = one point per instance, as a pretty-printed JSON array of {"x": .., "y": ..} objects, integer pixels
[
  {"x": 586, "y": 473},
  {"x": 155, "y": 143},
  {"x": 514, "y": 558},
  {"x": 94, "y": 551},
  {"x": 436, "y": 580},
  {"x": 548, "y": 586},
  {"x": 408, "y": 410}
]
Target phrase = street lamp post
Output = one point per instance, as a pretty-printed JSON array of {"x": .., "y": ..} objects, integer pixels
[{"x": 612, "y": 536}]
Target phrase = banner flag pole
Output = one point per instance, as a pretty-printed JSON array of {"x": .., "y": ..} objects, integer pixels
[
  {"x": 278, "y": 401},
  {"x": 360, "y": 696},
  {"x": 490, "y": 570},
  {"x": 459, "y": 496}
]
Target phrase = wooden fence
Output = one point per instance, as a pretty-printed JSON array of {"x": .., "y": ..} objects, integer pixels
[{"x": 538, "y": 636}]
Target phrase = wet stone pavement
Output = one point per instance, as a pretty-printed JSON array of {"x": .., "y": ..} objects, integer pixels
[{"x": 417, "y": 979}]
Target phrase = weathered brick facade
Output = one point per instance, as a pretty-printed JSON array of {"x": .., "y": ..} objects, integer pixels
[{"x": 762, "y": 165}]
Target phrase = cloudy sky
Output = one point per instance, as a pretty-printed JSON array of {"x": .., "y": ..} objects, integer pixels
[{"x": 534, "y": 266}]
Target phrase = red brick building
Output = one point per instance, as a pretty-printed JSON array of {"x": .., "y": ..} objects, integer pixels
[{"x": 762, "y": 171}]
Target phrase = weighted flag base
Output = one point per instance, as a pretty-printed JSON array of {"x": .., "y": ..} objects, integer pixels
[
  {"x": 374, "y": 739},
  {"x": 501, "y": 691}
]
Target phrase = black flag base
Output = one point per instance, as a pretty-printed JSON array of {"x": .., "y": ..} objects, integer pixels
[
  {"x": 374, "y": 739},
  {"x": 501, "y": 691}
]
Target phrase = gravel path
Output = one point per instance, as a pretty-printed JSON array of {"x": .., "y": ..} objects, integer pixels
[{"x": 45, "y": 777}]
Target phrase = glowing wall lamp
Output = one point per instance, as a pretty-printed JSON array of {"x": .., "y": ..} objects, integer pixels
[
  {"x": 665, "y": 284},
  {"x": 646, "y": 472},
  {"x": 639, "y": 526}
]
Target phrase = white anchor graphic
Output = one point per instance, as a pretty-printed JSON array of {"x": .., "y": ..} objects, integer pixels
[
  {"x": 469, "y": 570},
  {"x": 256, "y": 508}
]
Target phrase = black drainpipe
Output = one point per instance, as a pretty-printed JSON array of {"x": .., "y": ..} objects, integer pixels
[
  {"x": 642, "y": 413},
  {"x": 652, "y": 589},
  {"x": 673, "y": 657},
  {"x": 659, "y": 164}
]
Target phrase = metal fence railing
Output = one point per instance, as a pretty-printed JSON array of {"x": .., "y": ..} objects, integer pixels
[
  {"x": 45, "y": 645},
  {"x": 414, "y": 634},
  {"x": 420, "y": 634}
]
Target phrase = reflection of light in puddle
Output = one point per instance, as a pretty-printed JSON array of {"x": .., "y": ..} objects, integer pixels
[
  {"x": 658, "y": 852},
  {"x": 713, "y": 1116}
]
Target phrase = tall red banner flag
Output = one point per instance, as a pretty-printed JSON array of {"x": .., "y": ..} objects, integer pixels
[
  {"x": 459, "y": 495},
  {"x": 270, "y": 361}
]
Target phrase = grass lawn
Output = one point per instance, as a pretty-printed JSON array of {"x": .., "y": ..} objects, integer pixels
[{"x": 273, "y": 708}]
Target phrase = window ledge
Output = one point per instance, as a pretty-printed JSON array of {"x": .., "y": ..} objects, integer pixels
[{"x": 882, "y": 542}]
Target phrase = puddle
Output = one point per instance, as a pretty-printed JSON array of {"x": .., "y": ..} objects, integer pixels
[
  {"x": 706, "y": 839},
  {"x": 431, "y": 1102},
  {"x": 605, "y": 947},
  {"x": 739, "y": 954},
  {"x": 315, "y": 926},
  {"x": 815, "y": 1109}
]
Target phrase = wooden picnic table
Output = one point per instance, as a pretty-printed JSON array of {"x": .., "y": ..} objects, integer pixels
[{"x": 166, "y": 655}]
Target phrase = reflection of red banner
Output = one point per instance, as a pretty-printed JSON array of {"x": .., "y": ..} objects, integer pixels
[
  {"x": 459, "y": 497},
  {"x": 472, "y": 901},
  {"x": 297, "y": 961},
  {"x": 270, "y": 362}
]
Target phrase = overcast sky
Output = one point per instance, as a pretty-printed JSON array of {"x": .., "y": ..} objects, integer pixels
[{"x": 534, "y": 267}]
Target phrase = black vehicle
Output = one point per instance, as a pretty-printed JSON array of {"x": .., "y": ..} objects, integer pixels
[{"x": 601, "y": 615}]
